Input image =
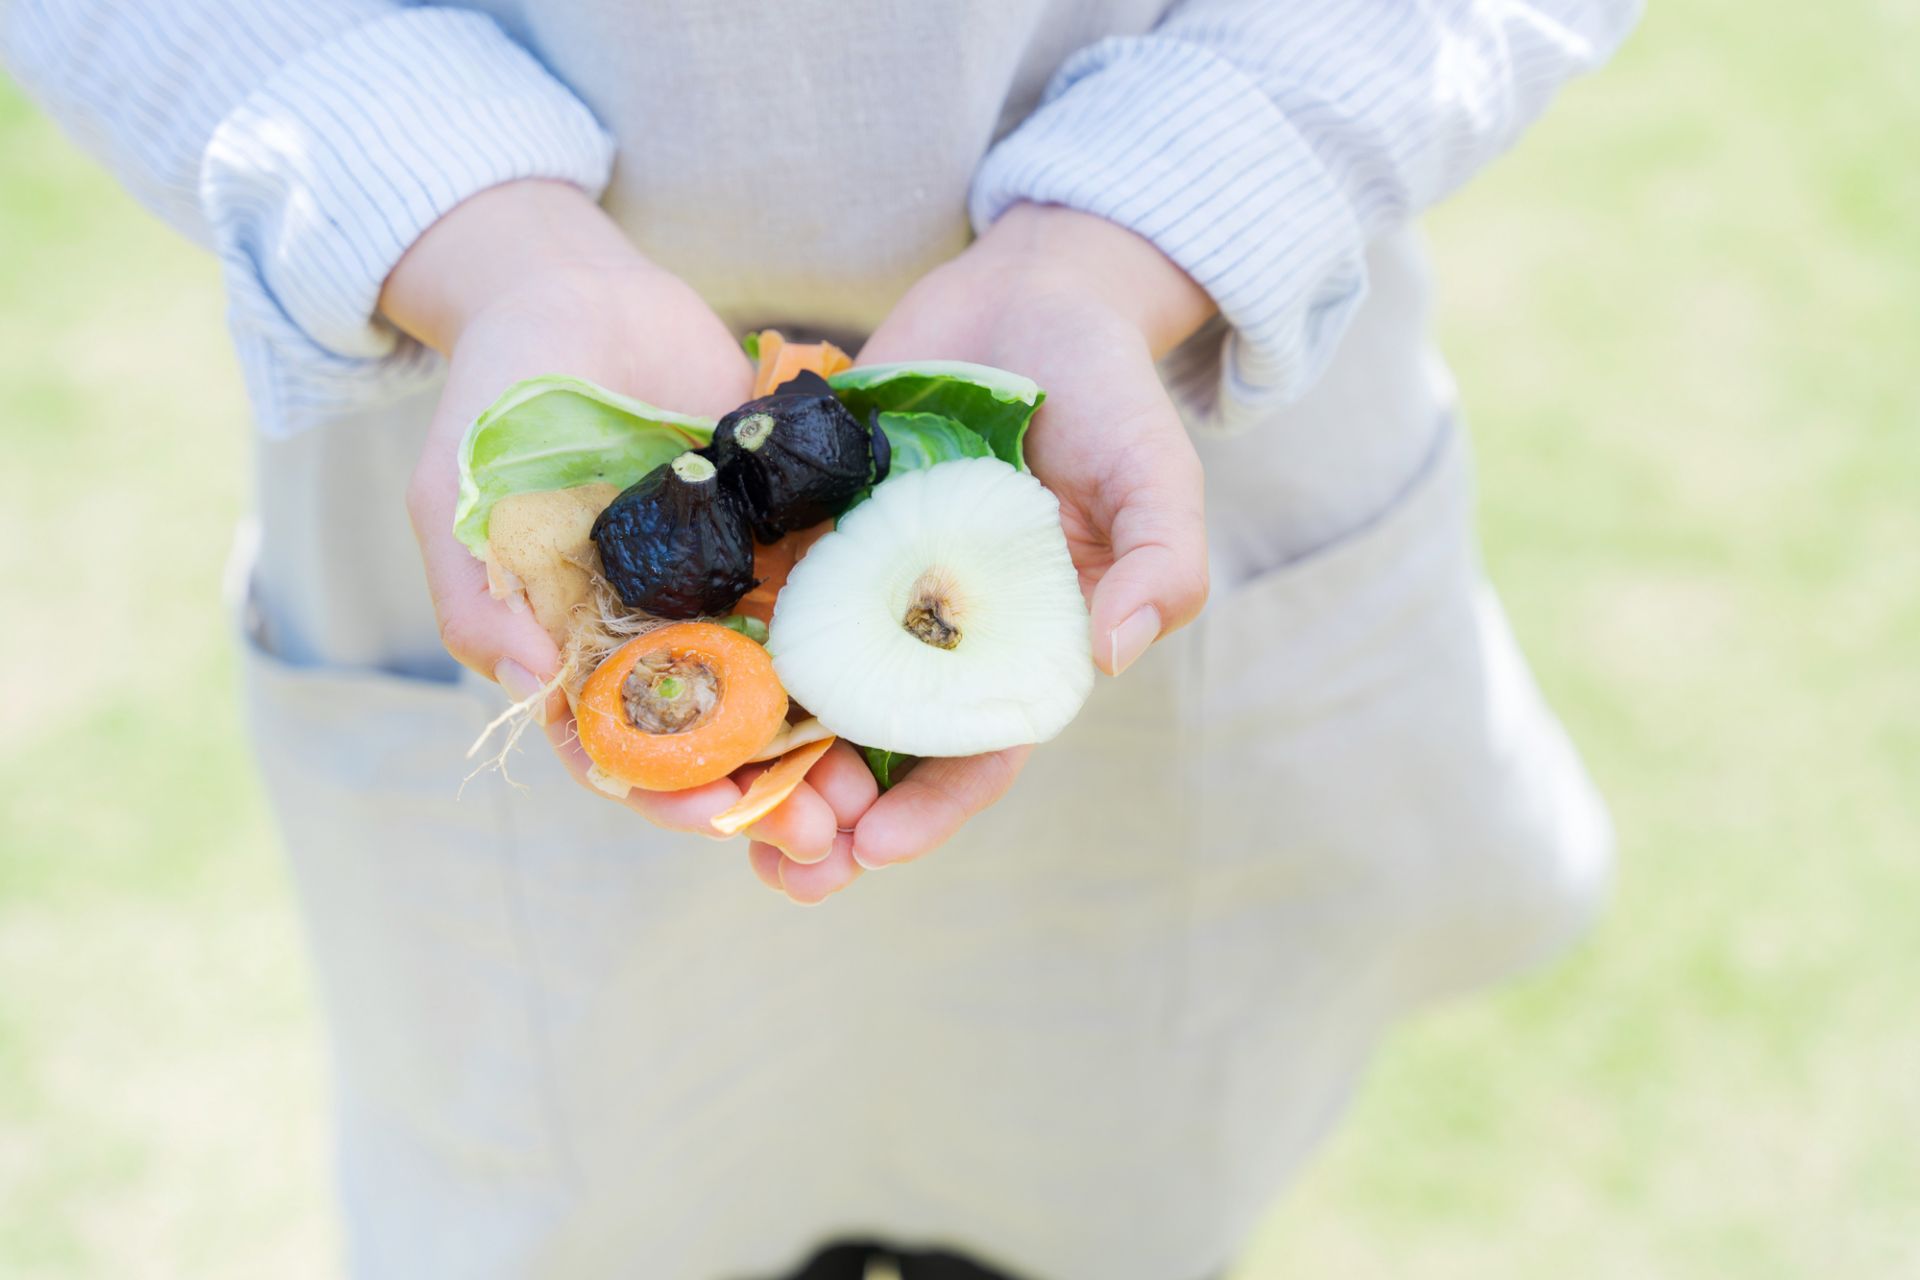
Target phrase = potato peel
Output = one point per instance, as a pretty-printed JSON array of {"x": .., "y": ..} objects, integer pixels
[{"x": 540, "y": 552}]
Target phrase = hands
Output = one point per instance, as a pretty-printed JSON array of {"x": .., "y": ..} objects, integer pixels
[
  {"x": 1084, "y": 308},
  {"x": 532, "y": 278}
]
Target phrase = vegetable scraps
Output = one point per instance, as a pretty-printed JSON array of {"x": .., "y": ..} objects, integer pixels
[
  {"x": 781, "y": 361},
  {"x": 680, "y": 706},
  {"x": 676, "y": 542},
  {"x": 942, "y": 616},
  {"x": 798, "y": 456},
  {"x": 765, "y": 792}
]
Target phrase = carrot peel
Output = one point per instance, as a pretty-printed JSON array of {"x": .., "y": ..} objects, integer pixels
[
  {"x": 781, "y": 360},
  {"x": 770, "y": 788}
]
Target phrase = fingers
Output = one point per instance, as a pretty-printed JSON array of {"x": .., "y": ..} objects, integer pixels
[
  {"x": 845, "y": 783},
  {"x": 488, "y": 636},
  {"x": 787, "y": 853},
  {"x": 484, "y": 634},
  {"x": 692, "y": 810},
  {"x": 801, "y": 826},
  {"x": 1158, "y": 579},
  {"x": 809, "y": 883},
  {"x": 915, "y": 817},
  {"x": 838, "y": 790},
  {"x": 765, "y": 861},
  {"x": 935, "y": 800}
]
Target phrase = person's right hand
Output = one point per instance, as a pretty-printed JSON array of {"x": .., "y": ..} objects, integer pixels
[{"x": 532, "y": 278}]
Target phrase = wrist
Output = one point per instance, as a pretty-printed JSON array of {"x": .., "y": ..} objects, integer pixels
[
  {"x": 490, "y": 245},
  {"x": 1052, "y": 248}
]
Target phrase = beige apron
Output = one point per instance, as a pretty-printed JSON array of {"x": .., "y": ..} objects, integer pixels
[
  {"x": 1090, "y": 1038},
  {"x": 1093, "y": 1036}
]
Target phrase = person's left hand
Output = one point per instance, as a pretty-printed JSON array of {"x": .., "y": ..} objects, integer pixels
[{"x": 1084, "y": 308}]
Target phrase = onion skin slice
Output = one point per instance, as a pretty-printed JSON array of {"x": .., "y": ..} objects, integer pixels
[
  {"x": 751, "y": 709},
  {"x": 791, "y": 737}
]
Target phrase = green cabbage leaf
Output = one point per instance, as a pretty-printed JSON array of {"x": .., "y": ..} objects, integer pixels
[
  {"x": 556, "y": 432},
  {"x": 995, "y": 405},
  {"x": 918, "y": 440}
]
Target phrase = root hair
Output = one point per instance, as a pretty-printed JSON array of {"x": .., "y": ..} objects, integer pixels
[{"x": 597, "y": 626}]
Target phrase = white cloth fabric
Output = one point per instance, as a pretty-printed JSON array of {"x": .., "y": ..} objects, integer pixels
[{"x": 1093, "y": 1036}]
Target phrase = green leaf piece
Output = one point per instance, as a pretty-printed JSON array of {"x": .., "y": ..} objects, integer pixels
[
  {"x": 556, "y": 432},
  {"x": 751, "y": 345},
  {"x": 996, "y": 405},
  {"x": 919, "y": 440},
  {"x": 752, "y": 628},
  {"x": 887, "y": 767}
]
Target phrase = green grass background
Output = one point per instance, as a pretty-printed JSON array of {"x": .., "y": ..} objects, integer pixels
[{"x": 1686, "y": 317}]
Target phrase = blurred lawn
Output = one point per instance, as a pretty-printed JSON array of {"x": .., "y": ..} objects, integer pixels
[{"x": 1687, "y": 320}]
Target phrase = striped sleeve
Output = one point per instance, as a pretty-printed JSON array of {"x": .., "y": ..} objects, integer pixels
[
  {"x": 1261, "y": 145},
  {"x": 308, "y": 143}
]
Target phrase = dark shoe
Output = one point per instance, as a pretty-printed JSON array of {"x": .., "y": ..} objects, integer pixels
[
  {"x": 868, "y": 1260},
  {"x": 840, "y": 1262}
]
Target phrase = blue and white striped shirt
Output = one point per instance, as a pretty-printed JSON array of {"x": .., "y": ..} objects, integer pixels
[{"x": 1260, "y": 143}]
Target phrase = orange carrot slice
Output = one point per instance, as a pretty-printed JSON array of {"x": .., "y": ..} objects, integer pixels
[
  {"x": 701, "y": 701},
  {"x": 780, "y": 360},
  {"x": 771, "y": 343},
  {"x": 771, "y": 565},
  {"x": 770, "y": 788}
]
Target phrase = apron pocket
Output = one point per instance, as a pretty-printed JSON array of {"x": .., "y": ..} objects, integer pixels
[
  {"x": 409, "y": 894},
  {"x": 1383, "y": 799}
]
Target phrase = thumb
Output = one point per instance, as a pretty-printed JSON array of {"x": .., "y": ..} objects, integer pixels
[
  {"x": 1158, "y": 579},
  {"x": 492, "y": 637}
]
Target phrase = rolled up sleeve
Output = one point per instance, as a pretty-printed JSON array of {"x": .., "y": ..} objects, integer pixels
[
  {"x": 309, "y": 145},
  {"x": 1262, "y": 146},
  {"x": 319, "y": 181}
]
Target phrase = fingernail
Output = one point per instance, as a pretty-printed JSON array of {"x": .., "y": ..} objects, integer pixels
[
  {"x": 520, "y": 685},
  {"x": 866, "y": 861},
  {"x": 798, "y": 902},
  {"x": 753, "y": 834},
  {"x": 1131, "y": 638}
]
